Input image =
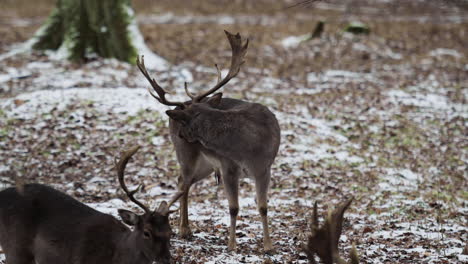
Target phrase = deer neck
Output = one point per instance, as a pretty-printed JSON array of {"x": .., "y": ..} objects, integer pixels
[{"x": 216, "y": 123}]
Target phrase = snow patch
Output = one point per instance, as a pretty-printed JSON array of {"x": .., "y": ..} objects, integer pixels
[
  {"x": 105, "y": 100},
  {"x": 420, "y": 100},
  {"x": 151, "y": 59},
  {"x": 338, "y": 76},
  {"x": 223, "y": 19},
  {"x": 24, "y": 47},
  {"x": 445, "y": 52},
  {"x": 433, "y": 102},
  {"x": 395, "y": 179},
  {"x": 294, "y": 41}
]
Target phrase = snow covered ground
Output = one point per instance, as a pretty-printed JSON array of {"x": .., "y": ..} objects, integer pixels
[
  {"x": 306, "y": 140},
  {"x": 392, "y": 135}
]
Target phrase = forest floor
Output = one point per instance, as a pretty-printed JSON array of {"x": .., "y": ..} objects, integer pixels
[{"x": 381, "y": 117}]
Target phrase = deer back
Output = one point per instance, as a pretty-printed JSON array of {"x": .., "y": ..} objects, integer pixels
[
  {"x": 50, "y": 225},
  {"x": 245, "y": 132}
]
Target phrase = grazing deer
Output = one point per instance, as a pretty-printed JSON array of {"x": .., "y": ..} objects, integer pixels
[
  {"x": 324, "y": 240},
  {"x": 230, "y": 137},
  {"x": 42, "y": 225}
]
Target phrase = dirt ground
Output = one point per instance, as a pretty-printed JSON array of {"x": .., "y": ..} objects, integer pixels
[{"x": 379, "y": 116}]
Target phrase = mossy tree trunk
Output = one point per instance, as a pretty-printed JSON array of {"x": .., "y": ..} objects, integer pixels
[{"x": 80, "y": 28}]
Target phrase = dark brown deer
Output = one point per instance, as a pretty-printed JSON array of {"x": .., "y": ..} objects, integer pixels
[
  {"x": 323, "y": 240},
  {"x": 42, "y": 225},
  {"x": 230, "y": 137}
]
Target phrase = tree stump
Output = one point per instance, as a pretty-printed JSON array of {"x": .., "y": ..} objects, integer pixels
[{"x": 82, "y": 28}]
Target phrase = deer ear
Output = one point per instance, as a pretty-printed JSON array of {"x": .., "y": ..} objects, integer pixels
[
  {"x": 214, "y": 100},
  {"x": 179, "y": 116},
  {"x": 128, "y": 217}
]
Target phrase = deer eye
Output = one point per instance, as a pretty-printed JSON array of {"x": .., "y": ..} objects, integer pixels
[{"x": 146, "y": 234}]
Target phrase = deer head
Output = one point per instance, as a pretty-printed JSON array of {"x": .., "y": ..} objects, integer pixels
[
  {"x": 324, "y": 239},
  {"x": 198, "y": 103},
  {"x": 151, "y": 230}
]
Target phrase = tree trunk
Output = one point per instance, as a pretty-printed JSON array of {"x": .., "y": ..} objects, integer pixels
[{"x": 80, "y": 28}]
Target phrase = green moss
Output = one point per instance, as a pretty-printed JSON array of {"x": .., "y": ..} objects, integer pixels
[
  {"x": 464, "y": 195},
  {"x": 3, "y": 132},
  {"x": 84, "y": 27},
  {"x": 52, "y": 36},
  {"x": 357, "y": 28}
]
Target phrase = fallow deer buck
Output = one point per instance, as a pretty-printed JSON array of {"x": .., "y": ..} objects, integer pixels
[
  {"x": 230, "y": 137},
  {"x": 40, "y": 225},
  {"x": 323, "y": 240}
]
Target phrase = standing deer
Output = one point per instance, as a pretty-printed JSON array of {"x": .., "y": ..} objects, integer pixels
[
  {"x": 324, "y": 240},
  {"x": 230, "y": 137},
  {"x": 42, "y": 225}
]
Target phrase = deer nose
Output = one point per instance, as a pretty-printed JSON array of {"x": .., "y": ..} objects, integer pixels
[
  {"x": 165, "y": 257},
  {"x": 166, "y": 260}
]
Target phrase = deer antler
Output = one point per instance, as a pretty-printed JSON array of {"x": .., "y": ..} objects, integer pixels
[
  {"x": 237, "y": 59},
  {"x": 161, "y": 93},
  {"x": 324, "y": 240},
  {"x": 164, "y": 206},
  {"x": 120, "y": 166}
]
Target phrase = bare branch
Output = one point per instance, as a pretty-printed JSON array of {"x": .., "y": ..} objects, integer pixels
[{"x": 303, "y": 3}]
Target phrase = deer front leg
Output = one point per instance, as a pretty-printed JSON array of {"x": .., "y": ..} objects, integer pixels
[
  {"x": 231, "y": 187},
  {"x": 261, "y": 186},
  {"x": 184, "y": 228},
  {"x": 192, "y": 172}
]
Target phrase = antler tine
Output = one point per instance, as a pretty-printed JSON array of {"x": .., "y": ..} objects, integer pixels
[
  {"x": 336, "y": 221},
  {"x": 175, "y": 198},
  {"x": 192, "y": 96},
  {"x": 120, "y": 166},
  {"x": 218, "y": 72},
  {"x": 314, "y": 224},
  {"x": 237, "y": 59},
  {"x": 161, "y": 97},
  {"x": 324, "y": 239},
  {"x": 164, "y": 206}
]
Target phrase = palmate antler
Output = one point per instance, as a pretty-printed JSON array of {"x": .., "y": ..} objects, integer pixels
[
  {"x": 120, "y": 167},
  {"x": 238, "y": 53},
  {"x": 324, "y": 240},
  {"x": 237, "y": 59}
]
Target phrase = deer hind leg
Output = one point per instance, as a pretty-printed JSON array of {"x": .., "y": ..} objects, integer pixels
[
  {"x": 231, "y": 187},
  {"x": 261, "y": 187}
]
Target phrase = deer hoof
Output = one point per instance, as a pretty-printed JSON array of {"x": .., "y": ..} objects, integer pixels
[
  {"x": 232, "y": 246},
  {"x": 269, "y": 249},
  {"x": 185, "y": 232}
]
